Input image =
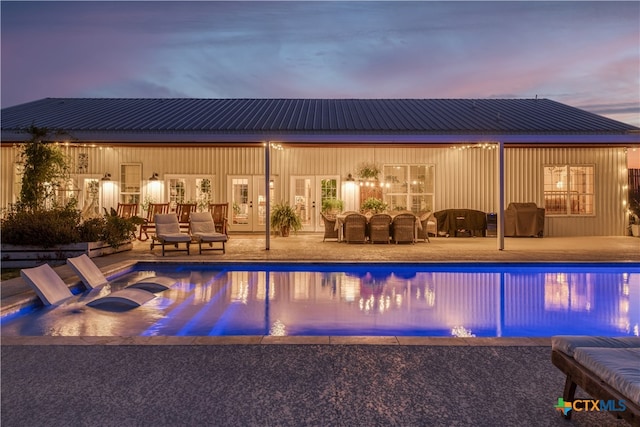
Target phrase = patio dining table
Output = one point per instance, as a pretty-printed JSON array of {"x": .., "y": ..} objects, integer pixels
[{"x": 341, "y": 217}]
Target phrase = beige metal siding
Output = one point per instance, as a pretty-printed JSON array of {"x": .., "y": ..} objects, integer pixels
[
  {"x": 524, "y": 183},
  {"x": 464, "y": 178},
  {"x": 7, "y": 159}
]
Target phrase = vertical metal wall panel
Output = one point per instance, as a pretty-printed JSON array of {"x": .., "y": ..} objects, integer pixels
[
  {"x": 464, "y": 178},
  {"x": 8, "y": 158},
  {"x": 524, "y": 182}
]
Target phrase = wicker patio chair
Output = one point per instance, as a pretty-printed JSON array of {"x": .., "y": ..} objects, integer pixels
[
  {"x": 355, "y": 228},
  {"x": 427, "y": 225},
  {"x": 379, "y": 228},
  {"x": 330, "y": 231},
  {"x": 403, "y": 228}
]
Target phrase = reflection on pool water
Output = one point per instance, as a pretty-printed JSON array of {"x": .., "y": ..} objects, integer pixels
[{"x": 486, "y": 300}]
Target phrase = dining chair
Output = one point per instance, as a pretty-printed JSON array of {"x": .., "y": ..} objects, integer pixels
[
  {"x": 355, "y": 228},
  {"x": 379, "y": 228},
  {"x": 403, "y": 228},
  {"x": 330, "y": 231},
  {"x": 427, "y": 225}
]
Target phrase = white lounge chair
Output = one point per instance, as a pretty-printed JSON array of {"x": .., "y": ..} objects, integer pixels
[
  {"x": 92, "y": 277},
  {"x": 168, "y": 232},
  {"x": 51, "y": 289},
  {"x": 203, "y": 230}
]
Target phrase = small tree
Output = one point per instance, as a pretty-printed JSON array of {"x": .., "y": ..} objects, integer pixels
[{"x": 45, "y": 169}]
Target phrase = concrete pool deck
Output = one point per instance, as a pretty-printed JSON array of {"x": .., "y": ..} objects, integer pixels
[{"x": 299, "y": 381}]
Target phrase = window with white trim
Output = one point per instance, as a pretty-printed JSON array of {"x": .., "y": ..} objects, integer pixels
[
  {"x": 409, "y": 187},
  {"x": 569, "y": 190}
]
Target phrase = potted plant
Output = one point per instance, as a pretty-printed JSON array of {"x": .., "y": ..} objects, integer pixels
[
  {"x": 285, "y": 218},
  {"x": 373, "y": 205},
  {"x": 332, "y": 206},
  {"x": 368, "y": 171}
]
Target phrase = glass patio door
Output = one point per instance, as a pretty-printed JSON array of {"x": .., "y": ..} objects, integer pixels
[
  {"x": 307, "y": 194},
  {"x": 248, "y": 202},
  {"x": 303, "y": 200}
]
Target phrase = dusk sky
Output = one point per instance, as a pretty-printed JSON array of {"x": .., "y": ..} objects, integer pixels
[{"x": 585, "y": 54}]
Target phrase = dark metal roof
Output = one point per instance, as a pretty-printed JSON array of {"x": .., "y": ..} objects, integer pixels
[{"x": 303, "y": 116}]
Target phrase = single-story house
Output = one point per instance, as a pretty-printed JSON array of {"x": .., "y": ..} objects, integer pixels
[{"x": 416, "y": 154}]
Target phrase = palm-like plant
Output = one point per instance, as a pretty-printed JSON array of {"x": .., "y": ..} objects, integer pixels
[{"x": 285, "y": 218}]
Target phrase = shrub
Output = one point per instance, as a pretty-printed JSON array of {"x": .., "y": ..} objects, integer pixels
[
  {"x": 41, "y": 228},
  {"x": 61, "y": 226}
]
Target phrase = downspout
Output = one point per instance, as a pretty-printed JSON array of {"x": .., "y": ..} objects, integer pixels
[
  {"x": 500, "y": 184},
  {"x": 267, "y": 174}
]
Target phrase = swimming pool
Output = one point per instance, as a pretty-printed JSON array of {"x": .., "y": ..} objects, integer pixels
[{"x": 483, "y": 300}]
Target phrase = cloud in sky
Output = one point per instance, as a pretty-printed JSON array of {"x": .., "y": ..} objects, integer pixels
[{"x": 585, "y": 54}]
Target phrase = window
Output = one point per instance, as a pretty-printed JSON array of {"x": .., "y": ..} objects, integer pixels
[
  {"x": 130, "y": 181},
  {"x": 190, "y": 189},
  {"x": 409, "y": 187},
  {"x": 328, "y": 189},
  {"x": 569, "y": 190}
]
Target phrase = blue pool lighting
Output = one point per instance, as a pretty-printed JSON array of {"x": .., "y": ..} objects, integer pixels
[{"x": 463, "y": 300}]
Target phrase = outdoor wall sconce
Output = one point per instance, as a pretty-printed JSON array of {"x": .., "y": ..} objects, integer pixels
[
  {"x": 106, "y": 177},
  {"x": 350, "y": 177},
  {"x": 154, "y": 177}
]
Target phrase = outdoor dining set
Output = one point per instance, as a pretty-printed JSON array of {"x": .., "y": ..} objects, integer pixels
[{"x": 397, "y": 227}]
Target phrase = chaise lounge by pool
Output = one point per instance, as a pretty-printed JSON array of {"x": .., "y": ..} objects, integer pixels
[{"x": 345, "y": 299}]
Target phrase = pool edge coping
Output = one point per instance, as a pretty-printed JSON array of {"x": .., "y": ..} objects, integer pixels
[{"x": 278, "y": 340}]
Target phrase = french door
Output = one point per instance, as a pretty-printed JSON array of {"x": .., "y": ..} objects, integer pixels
[
  {"x": 307, "y": 194},
  {"x": 248, "y": 203}
]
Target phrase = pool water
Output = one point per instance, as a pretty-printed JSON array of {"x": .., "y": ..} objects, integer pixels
[{"x": 483, "y": 300}]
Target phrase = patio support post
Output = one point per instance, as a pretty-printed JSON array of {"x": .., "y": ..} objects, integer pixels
[
  {"x": 267, "y": 173},
  {"x": 500, "y": 183}
]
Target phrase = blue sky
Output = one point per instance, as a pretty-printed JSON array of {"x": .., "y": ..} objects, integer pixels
[{"x": 586, "y": 54}]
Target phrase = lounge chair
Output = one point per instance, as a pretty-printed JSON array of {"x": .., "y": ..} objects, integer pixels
[
  {"x": 607, "y": 369},
  {"x": 168, "y": 232},
  {"x": 203, "y": 230},
  {"x": 92, "y": 277},
  {"x": 51, "y": 289}
]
